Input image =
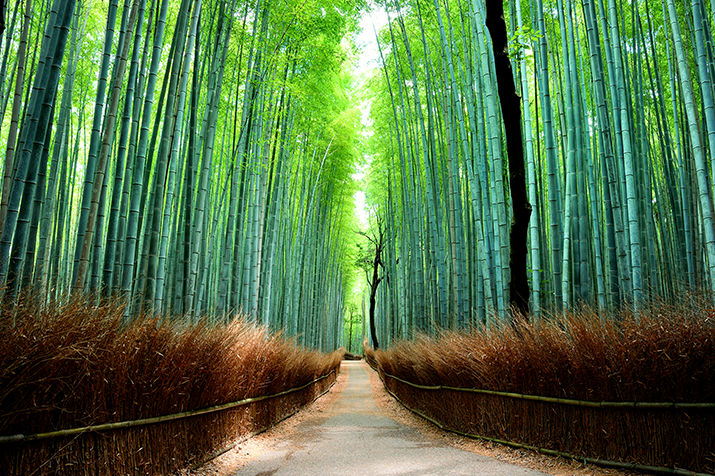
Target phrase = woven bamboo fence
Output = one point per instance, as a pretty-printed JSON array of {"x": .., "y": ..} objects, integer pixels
[
  {"x": 654, "y": 437},
  {"x": 155, "y": 446}
]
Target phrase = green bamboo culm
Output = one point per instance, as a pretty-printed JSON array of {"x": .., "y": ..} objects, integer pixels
[
  {"x": 167, "y": 174},
  {"x": 608, "y": 166}
]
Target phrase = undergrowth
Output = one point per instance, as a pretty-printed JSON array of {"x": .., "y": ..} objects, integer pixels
[
  {"x": 75, "y": 364},
  {"x": 665, "y": 354}
]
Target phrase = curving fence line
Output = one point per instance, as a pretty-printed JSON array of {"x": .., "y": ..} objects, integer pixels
[
  {"x": 149, "y": 421},
  {"x": 565, "y": 401},
  {"x": 654, "y": 437},
  {"x": 158, "y": 445}
]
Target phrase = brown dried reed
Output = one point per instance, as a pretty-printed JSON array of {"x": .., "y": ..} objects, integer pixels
[
  {"x": 665, "y": 355},
  {"x": 76, "y": 364}
]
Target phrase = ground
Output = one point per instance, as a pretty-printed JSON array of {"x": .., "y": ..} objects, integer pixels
[{"x": 246, "y": 451}]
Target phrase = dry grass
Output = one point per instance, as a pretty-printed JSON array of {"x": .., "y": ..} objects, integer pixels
[
  {"x": 667, "y": 355},
  {"x": 243, "y": 451},
  {"x": 75, "y": 365},
  {"x": 529, "y": 459}
]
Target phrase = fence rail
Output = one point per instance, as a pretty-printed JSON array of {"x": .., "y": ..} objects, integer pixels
[
  {"x": 565, "y": 401},
  {"x": 155, "y": 446},
  {"x": 148, "y": 421},
  {"x": 435, "y": 411}
]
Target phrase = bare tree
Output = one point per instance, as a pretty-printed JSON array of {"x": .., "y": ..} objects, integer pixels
[{"x": 371, "y": 262}]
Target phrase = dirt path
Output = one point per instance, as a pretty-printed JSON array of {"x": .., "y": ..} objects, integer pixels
[
  {"x": 355, "y": 436},
  {"x": 359, "y": 429}
]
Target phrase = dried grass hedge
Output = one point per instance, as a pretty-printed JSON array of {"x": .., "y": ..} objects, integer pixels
[
  {"x": 666, "y": 356},
  {"x": 76, "y": 365}
]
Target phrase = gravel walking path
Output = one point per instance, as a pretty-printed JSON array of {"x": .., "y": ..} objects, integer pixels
[{"x": 353, "y": 436}]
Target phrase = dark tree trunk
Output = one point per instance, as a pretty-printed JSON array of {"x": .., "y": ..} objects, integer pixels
[
  {"x": 511, "y": 113},
  {"x": 350, "y": 333},
  {"x": 373, "y": 289},
  {"x": 3, "y": 4},
  {"x": 372, "y": 265}
]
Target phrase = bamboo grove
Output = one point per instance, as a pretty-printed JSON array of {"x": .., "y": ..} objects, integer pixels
[
  {"x": 619, "y": 137},
  {"x": 189, "y": 158}
]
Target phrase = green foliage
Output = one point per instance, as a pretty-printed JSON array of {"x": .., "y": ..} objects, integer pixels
[
  {"x": 612, "y": 157},
  {"x": 258, "y": 147},
  {"x": 523, "y": 38}
]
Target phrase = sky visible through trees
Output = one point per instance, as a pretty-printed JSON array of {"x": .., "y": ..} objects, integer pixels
[{"x": 198, "y": 158}]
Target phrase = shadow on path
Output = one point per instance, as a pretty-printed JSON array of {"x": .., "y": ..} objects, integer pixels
[{"x": 355, "y": 437}]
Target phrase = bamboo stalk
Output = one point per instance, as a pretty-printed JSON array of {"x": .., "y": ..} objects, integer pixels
[{"x": 148, "y": 421}]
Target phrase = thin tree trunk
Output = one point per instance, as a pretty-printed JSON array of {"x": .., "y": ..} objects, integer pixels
[
  {"x": 109, "y": 130},
  {"x": 35, "y": 134},
  {"x": 15, "y": 115}
]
